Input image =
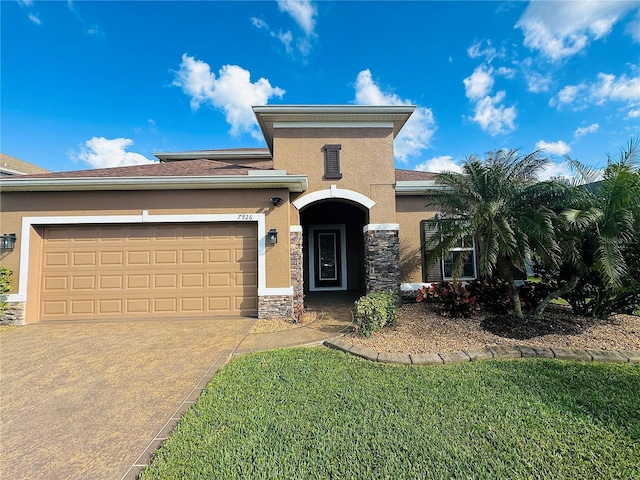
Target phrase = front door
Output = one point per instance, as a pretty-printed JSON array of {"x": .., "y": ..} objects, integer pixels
[{"x": 327, "y": 257}]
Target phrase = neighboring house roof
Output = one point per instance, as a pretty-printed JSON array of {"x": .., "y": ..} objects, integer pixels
[
  {"x": 413, "y": 182},
  {"x": 186, "y": 168},
  {"x": 228, "y": 155},
  {"x": 10, "y": 166},
  {"x": 413, "y": 175},
  {"x": 271, "y": 117},
  {"x": 187, "y": 174}
]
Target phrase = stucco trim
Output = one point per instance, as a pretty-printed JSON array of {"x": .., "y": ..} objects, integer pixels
[
  {"x": 408, "y": 287},
  {"x": 29, "y": 222},
  {"x": 380, "y": 226},
  {"x": 333, "y": 193},
  {"x": 295, "y": 229},
  {"x": 266, "y": 292},
  {"x": 332, "y": 125}
]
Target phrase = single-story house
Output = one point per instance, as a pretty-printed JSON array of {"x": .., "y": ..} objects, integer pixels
[{"x": 237, "y": 232}]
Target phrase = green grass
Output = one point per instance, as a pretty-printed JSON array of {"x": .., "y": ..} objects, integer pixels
[{"x": 316, "y": 413}]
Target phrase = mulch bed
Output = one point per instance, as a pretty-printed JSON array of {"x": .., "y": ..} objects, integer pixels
[
  {"x": 421, "y": 329},
  {"x": 557, "y": 320}
]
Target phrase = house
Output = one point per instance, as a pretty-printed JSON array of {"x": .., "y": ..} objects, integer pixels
[
  {"x": 223, "y": 232},
  {"x": 10, "y": 166}
]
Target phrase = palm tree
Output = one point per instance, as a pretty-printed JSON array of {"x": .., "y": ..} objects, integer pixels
[
  {"x": 498, "y": 202},
  {"x": 605, "y": 223}
]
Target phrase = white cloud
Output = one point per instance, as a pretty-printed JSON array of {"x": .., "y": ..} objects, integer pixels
[
  {"x": 562, "y": 29},
  {"x": 100, "y": 152},
  {"x": 96, "y": 31},
  {"x": 479, "y": 84},
  {"x": 607, "y": 88},
  {"x": 493, "y": 117},
  {"x": 444, "y": 163},
  {"x": 417, "y": 132},
  {"x": 506, "y": 72},
  {"x": 554, "y": 148},
  {"x": 580, "y": 132},
  {"x": 633, "y": 28},
  {"x": 537, "y": 82},
  {"x": 553, "y": 169},
  {"x": 488, "y": 52},
  {"x": 303, "y": 12},
  {"x": 303, "y": 44},
  {"x": 26, "y": 3},
  {"x": 232, "y": 92},
  {"x": 35, "y": 18},
  {"x": 633, "y": 113}
]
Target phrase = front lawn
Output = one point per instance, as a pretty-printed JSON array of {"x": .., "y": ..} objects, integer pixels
[{"x": 316, "y": 413}]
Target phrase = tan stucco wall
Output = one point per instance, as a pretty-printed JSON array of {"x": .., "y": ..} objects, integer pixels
[
  {"x": 410, "y": 212},
  {"x": 366, "y": 162},
  {"x": 16, "y": 205}
]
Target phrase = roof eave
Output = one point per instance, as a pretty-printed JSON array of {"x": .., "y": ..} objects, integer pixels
[
  {"x": 339, "y": 112},
  {"x": 415, "y": 187},
  {"x": 294, "y": 183},
  {"x": 257, "y": 154}
]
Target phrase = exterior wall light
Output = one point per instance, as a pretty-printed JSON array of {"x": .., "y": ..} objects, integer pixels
[
  {"x": 275, "y": 201},
  {"x": 272, "y": 236},
  {"x": 7, "y": 241}
]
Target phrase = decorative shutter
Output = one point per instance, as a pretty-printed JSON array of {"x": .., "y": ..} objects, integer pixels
[
  {"x": 434, "y": 272},
  {"x": 332, "y": 161}
]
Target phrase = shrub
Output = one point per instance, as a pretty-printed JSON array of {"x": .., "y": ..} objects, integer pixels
[
  {"x": 5, "y": 285},
  {"x": 532, "y": 293},
  {"x": 376, "y": 310},
  {"x": 492, "y": 294},
  {"x": 450, "y": 299}
]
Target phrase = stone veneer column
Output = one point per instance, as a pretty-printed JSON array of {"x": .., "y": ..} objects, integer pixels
[
  {"x": 296, "y": 272},
  {"x": 382, "y": 257},
  {"x": 13, "y": 314},
  {"x": 275, "y": 306}
]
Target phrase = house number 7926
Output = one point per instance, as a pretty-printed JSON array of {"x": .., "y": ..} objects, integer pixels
[{"x": 245, "y": 217}]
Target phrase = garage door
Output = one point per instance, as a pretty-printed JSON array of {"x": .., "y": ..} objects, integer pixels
[{"x": 149, "y": 271}]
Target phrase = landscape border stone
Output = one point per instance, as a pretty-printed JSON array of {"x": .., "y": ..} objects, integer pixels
[{"x": 491, "y": 352}]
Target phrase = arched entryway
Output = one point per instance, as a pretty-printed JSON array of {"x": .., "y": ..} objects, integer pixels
[{"x": 333, "y": 246}]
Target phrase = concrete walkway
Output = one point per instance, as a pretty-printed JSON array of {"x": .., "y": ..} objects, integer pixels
[{"x": 93, "y": 400}]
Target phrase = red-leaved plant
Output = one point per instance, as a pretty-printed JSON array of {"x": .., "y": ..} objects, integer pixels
[{"x": 450, "y": 299}]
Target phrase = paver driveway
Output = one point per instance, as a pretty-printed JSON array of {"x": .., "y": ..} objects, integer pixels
[{"x": 83, "y": 400}]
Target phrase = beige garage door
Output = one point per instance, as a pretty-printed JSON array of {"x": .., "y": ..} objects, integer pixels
[{"x": 149, "y": 271}]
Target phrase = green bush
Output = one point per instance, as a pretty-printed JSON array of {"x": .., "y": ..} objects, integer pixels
[
  {"x": 5, "y": 285},
  {"x": 376, "y": 310},
  {"x": 450, "y": 299}
]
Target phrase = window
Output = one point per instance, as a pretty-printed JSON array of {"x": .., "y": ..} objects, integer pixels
[
  {"x": 464, "y": 247},
  {"x": 332, "y": 161}
]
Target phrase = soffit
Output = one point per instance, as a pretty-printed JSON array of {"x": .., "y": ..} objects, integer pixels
[{"x": 357, "y": 114}]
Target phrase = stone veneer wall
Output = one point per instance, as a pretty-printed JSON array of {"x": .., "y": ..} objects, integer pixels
[
  {"x": 13, "y": 314},
  {"x": 382, "y": 260},
  {"x": 297, "y": 275},
  {"x": 275, "y": 306}
]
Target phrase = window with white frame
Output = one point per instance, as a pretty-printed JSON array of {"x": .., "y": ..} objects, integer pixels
[{"x": 465, "y": 246}]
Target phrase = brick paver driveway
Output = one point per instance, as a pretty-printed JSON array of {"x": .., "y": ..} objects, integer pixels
[{"x": 83, "y": 400}]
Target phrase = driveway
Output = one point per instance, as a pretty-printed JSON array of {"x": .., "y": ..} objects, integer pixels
[{"x": 83, "y": 400}]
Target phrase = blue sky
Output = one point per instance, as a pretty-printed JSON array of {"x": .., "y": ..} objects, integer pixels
[{"x": 89, "y": 84}]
